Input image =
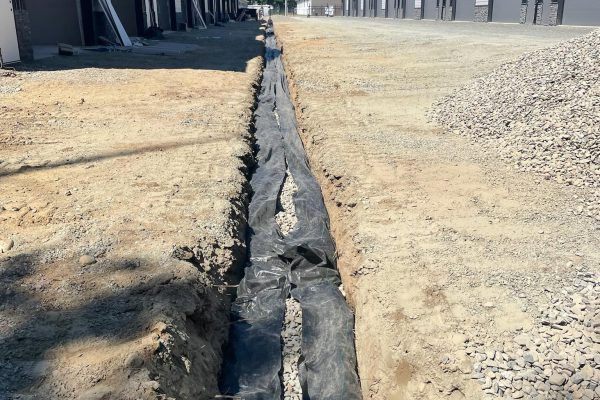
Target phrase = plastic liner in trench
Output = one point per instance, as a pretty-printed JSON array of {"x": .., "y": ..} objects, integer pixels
[{"x": 301, "y": 264}]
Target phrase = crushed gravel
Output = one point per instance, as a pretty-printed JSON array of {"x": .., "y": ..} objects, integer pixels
[
  {"x": 291, "y": 337},
  {"x": 291, "y": 334},
  {"x": 286, "y": 216},
  {"x": 541, "y": 113},
  {"x": 558, "y": 358}
]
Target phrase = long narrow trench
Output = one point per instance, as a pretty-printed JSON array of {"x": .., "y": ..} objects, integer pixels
[{"x": 292, "y": 332}]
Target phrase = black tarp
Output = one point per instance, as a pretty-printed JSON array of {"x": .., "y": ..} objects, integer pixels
[{"x": 301, "y": 264}]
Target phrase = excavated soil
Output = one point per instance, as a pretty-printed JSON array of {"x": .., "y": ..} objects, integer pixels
[
  {"x": 122, "y": 217},
  {"x": 459, "y": 267}
]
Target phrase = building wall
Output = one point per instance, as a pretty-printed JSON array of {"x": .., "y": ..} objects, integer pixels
[
  {"x": 550, "y": 16},
  {"x": 447, "y": 13},
  {"x": 127, "y": 14},
  {"x": 523, "y": 13},
  {"x": 54, "y": 21},
  {"x": 538, "y": 14},
  {"x": 302, "y": 7},
  {"x": 546, "y": 13},
  {"x": 354, "y": 8},
  {"x": 381, "y": 8},
  {"x": 430, "y": 10},
  {"x": 164, "y": 14},
  {"x": 181, "y": 11},
  {"x": 317, "y": 7},
  {"x": 506, "y": 11},
  {"x": 23, "y": 26},
  {"x": 581, "y": 12},
  {"x": 584, "y": 12}
]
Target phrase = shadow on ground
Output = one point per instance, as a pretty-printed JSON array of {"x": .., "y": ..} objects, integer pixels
[
  {"x": 125, "y": 314},
  {"x": 227, "y": 48},
  {"x": 108, "y": 155},
  {"x": 50, "y": 307}
]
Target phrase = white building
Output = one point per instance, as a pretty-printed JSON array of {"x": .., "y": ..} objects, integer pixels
[
  {"x": 303, "y": 7},
  {"x": 321, "y": 7}
]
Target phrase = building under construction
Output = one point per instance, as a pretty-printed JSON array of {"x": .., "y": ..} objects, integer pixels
[{"x": 25, "y": 24}]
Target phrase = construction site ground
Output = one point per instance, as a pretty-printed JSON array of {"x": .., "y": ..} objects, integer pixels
[
  {"x": 124, "y": 192},
  {"x": 122, "y": 204},
  {"x": 443, "y": 248}
]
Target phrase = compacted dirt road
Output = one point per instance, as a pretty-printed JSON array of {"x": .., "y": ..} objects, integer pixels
[
  {"x": 453, "y": 260},
  {"x": 122, "y": 205}
]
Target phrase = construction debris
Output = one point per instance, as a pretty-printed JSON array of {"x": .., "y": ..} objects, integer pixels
[{"x": 65, "y": 49}]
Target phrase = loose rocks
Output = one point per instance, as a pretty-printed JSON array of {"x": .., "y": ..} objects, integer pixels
[
  {"x": 86, "y": 260},
  {"x": 540, "y": 113},
  {"x": 286, "y": 217},
  {"x": 6, "y": 245},
  {"x": 291, "y": 334},
  {"x": 292, "y": 339},
  {"x": 557, "y": 359}
]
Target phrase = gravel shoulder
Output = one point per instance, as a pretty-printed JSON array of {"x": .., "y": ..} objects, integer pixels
[
  {"x": 446, "y": 251},
  {"x": 122, "y": 210}
]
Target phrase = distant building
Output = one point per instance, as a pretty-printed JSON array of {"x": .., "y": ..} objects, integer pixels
[
  {"x": 319, "y": 8},
  {"x": 539, "y": 12},
  {"x": 263, "y": 10}
]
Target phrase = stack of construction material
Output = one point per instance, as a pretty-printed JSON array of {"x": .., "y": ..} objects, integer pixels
[{"x": 540, "y": 112}]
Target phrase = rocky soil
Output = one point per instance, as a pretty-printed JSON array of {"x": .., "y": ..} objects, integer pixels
[
  {"x": 558, "y": 358},
  {"x": 446, "y": 252},
  {"x": 540, "y": 113}
]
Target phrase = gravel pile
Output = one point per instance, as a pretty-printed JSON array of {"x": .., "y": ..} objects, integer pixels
[
  {"x": 540, "y": 112},
  {"x": 557, "y": 359}
]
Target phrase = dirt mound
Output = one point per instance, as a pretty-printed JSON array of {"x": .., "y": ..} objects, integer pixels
[{"x": 540, "y": 112}]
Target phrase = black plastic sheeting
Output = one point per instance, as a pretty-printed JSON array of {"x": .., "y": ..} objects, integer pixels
[{"x": 302, "y": 264}]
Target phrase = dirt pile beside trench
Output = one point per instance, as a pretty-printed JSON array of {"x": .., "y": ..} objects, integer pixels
[
  {"x": 123, "y": 196},
  {"x": 541, "y": 113}
]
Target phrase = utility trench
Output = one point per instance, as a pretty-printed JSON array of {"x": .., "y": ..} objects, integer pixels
[{"x": 292, "y": 332}]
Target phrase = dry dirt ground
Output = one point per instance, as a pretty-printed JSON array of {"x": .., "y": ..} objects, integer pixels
[
  {"x": 123, "y": 198},
  {"x": 441, "y": 246}
]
